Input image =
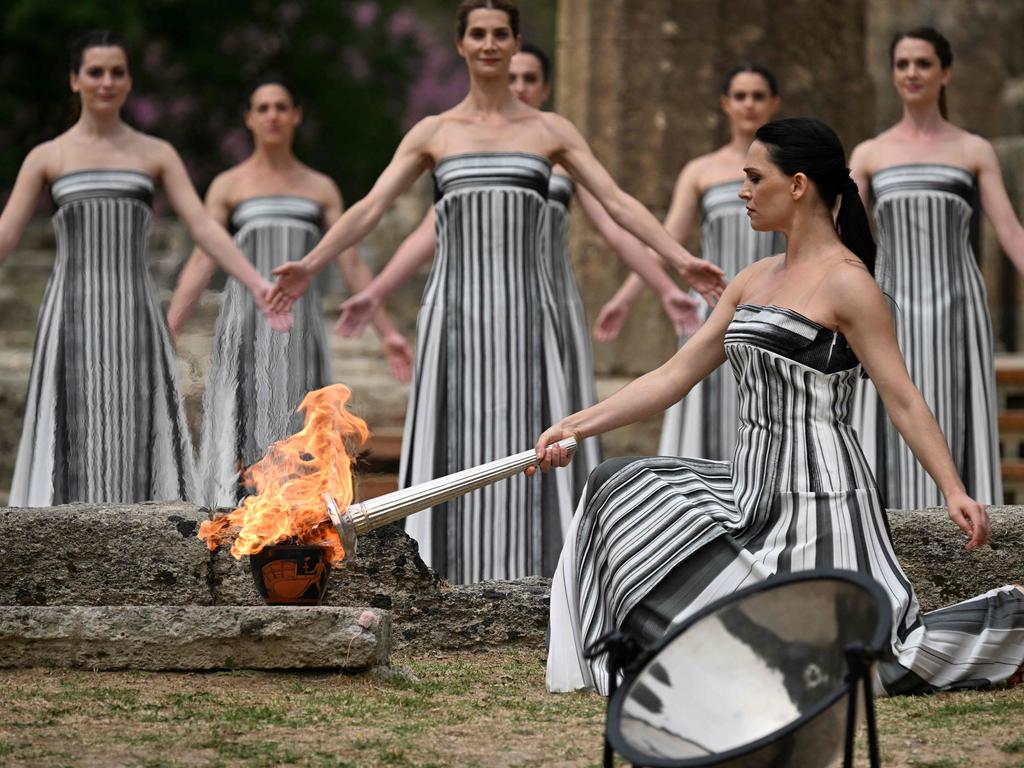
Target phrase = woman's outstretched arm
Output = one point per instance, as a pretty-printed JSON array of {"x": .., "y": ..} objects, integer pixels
[
  {"x": 410, "y": 160},
  {"x": 653, "y": 392},
  {"x": 213, "y": 238},
  {"x": 679, "y": 222},
  {"x": 415, "y": 250},
  {"x": 22, "y": 201},
  {"x": 865, "y": 320},
  {"x": 200, "y": 268},
  {"x": 996, "y": 203},
  {"x": 574, "y": 153},
  {"x": 679, "y": 306},
  {"x": 357, "y": 276}
]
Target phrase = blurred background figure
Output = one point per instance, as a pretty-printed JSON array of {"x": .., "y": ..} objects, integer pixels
[
  {"x": 704, "y": 424},
  {"x": 104, "y": 420},
  {"x": 277, "y": 207},
  {"x": 924, "y": 174}
]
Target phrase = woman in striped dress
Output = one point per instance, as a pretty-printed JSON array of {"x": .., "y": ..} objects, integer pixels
[
  {"x": 488, "y": 366},
  {"x": 924, "y": 174},
  {"x": 103, "y": 418},
  {"x": 704, "y": 424},
  {"x": 276, "y": 206},
  {"x": 656, "y": 539},
  {"x": 530, "y": 73}
]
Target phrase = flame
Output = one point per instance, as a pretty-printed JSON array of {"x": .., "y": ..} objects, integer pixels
[{"x": 291, "y": 479}]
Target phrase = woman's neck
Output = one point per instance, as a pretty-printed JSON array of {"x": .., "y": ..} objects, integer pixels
[
  {"x": 739, "y": 142},
  {"x": 810, "y": 233},
  {"x": 489, "y": 96},
  {"x": 276, "y": 158},
  {"x": 99, "y": 126},
  {"x": 922, "y": 118}
]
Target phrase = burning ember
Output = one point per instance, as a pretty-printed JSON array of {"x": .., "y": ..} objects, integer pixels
[{"x": 291, "y": 481}]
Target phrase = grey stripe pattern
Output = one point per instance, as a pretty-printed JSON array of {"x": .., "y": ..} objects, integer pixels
[
  {"x": 573, "y": 331},
  {"x": 704, "y": 424},
  {"x": 488, "y": 374},
  {"x": 258, "y": 376},
  {"x": 656, "y": 539},
  {"x": 926, "y": 264},
  {"x": 104, "y": 420}
]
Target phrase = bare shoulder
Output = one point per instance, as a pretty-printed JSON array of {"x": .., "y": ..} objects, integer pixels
[
  {"x": 323, "y": 188},
  {"x": 559, "y": 126},
  {"x": 692, "y": 172},
  {"x": 749, "y": 275},
  {"x": 852, "y": 290},
  {"x": 224, "y": 184},
  {"x": 978, "y": 151},
  {"x": 863, "y": 156},
  {"x": 42, "y": 159}
]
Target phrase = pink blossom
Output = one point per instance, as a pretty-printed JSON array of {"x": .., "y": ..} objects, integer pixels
[
  {"x": 364, "y": 14},
  {"x": 145, "y": 111}
]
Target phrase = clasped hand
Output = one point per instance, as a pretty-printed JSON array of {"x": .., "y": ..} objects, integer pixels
[{"x": 549, "y": 453}]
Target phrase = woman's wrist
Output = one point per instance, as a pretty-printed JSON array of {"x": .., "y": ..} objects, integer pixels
[{"x": 953, "y": 491}]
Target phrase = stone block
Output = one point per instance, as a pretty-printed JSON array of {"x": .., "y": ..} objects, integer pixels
[
  {"x": 193, "y": 637},
  {"x": 931, "y": 550},
  {"x": 102, "y": 554},
  {"x": 95, "y": 555}
]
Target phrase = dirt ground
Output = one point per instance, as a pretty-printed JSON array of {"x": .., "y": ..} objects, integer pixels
[{"x": 481, "y": 709}]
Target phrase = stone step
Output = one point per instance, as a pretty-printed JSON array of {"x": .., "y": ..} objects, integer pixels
[
  {"x": 148, "y": 554},
  {"x": 185, "y": 638}
]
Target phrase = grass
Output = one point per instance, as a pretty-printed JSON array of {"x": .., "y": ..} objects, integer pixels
[{"x": 474, "y": 709}]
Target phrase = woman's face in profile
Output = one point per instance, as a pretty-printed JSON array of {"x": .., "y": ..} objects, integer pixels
[{"x": 766, "y": 191}]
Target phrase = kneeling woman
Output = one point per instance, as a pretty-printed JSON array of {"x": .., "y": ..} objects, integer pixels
[{"x": 656, "y": 539}]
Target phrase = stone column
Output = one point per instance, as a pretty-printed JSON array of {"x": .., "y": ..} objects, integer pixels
[{"x": 641, "y": 80}]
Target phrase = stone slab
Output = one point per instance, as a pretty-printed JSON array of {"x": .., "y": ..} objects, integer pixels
[
  {"x": 104, "y": 554},
  {"x": 147, "y": 554},
  {"x": 193, "y": 637},
  {"x": 931, "y": 550}
]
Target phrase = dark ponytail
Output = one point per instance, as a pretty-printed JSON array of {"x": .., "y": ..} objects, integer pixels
[
  {"x": 943, "y": 50},
  {"x": 808, "y": 146}
]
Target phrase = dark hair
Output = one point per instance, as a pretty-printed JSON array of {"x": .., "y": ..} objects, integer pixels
[
  {"x": 757, "y": 69},
  {"x": 942, "y": 49},
  {"x": 96, "y": 38},
  {"x": 808, "y": 146},
  {"x": 270, "y": 78},
  {"x": 466, "y": 7},
  {"x": 537, "y": 53}
]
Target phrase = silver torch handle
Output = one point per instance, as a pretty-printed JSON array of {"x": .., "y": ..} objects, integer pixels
[{"x": 366, "y": 515}]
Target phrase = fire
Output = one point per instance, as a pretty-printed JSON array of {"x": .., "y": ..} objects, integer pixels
[{"x": 291, "y": 479}]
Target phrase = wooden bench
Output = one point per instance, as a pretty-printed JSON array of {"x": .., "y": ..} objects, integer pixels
[{"x": 1010, "y": 394}]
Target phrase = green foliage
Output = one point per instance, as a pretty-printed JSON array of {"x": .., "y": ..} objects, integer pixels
[{"x": 350, "y": 62}]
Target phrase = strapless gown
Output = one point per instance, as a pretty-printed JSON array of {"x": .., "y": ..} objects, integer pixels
[
  {"x": 104, "y": 420},
  {"x": 488, "y": 376},
  {"x": 656, "y": 539}
]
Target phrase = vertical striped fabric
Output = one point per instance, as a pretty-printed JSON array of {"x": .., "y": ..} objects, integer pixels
[
  {"x": 926, "y": 264},
  {"x": 573, "y": 332},
  {"x": 704, "y": 424},
  {"x": 257, "y": 375},
  {"x": 104, "y": 420},
  {"x": 488, "y": 375},
  {"x": 656, "y": 539}
]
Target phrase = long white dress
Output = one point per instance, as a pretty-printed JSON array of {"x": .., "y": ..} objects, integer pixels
[
  {"x": 104, "y": 420},
  {"x": 927, "y": 266},
  {"x": 488, "y": 376},
  {"x": 656, "y": 539},
  {"x": 259, "y": 376}
]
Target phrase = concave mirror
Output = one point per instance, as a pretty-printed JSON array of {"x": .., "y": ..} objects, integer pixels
[{"x": 766, "y": 668}]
